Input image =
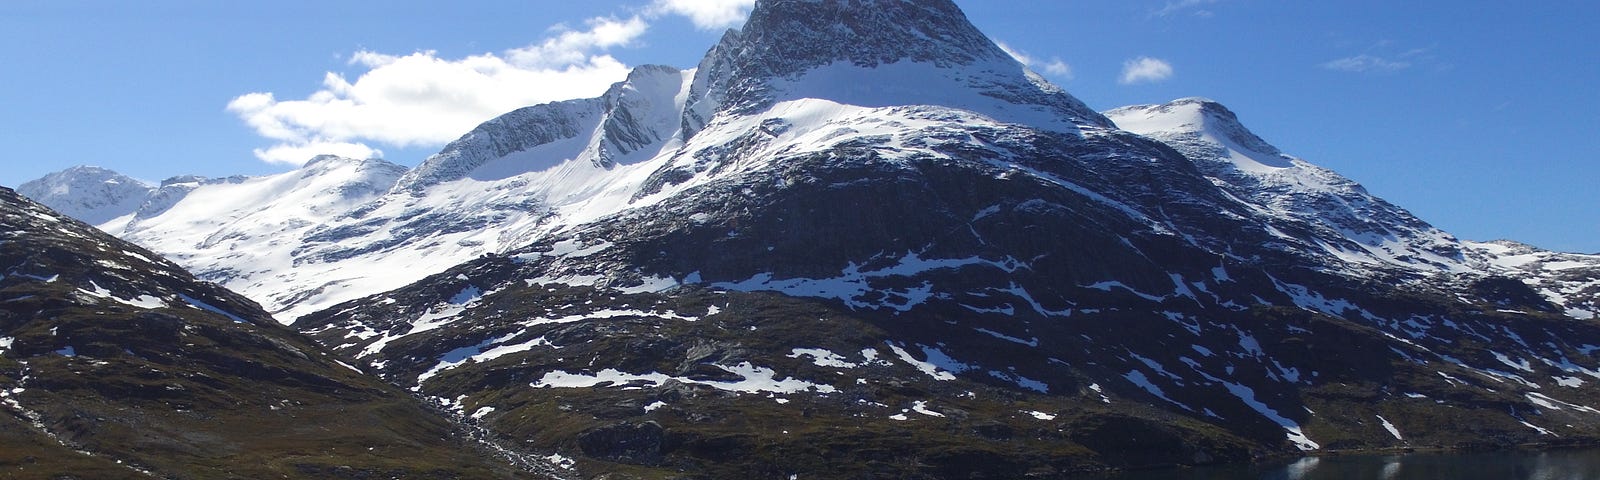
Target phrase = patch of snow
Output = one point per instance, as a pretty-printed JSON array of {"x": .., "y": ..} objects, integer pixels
[
  {"x": 1106, "y": 286},
  {"x": 1039, "y": 415},
  {"x": 1220, "y": 274},
  {"x": 921, "y": 406},
  {"x": 482, "y": 412},
  {"x": 1249, "y": 343},
  {"x": 607, "y": 314},
  {"x": 1180, "y": 288},
  {"x": 652, "y": 284},
  {"x": 1178, "y": 318},
  {"x": 196, "y": 303},
  {"x": 1390, "y": 427},
  {"x": 351, "y": 367},
  {"x": 561, "y": 462},
  {"x": 467, "y": 295},
  {"x": 1138, "y": 378},
  {"x": 562, "y": 379},
  {"x": 569, "y": 280},
  {"x": 756, "y": 379},
  {"x": 68, "y": 351},
  {"x": 573, "y": 248},
  {"x": 142, "y": 301},
  {"x": 480, "y": 353},
  {"x": 1021, "y": 381},
  {"x": 1535, "y": 428},
  {"x": 1154, "y": 365},
  {"x": 939, "y": 366},
  {"x": 654, "y": 405},
  {"x": 1032, "y": 342},
  {"x": 762, "y": 379},
  {"x": 853, "y": 283},
  {"x": 138, "y": 256},
  {"x": 1100, "y": 391},
  {"x": 1313, "y": 301},
  {"x": 822, "y": 357},
  {"x": 1547, "y": 402},
  {"x": 1290, "y": 427}
]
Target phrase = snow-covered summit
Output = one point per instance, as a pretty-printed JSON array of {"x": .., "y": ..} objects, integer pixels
[
  {"x": 872, "y": 54},
  {"x": 1201, "y": 123},
  {"x": 1313, "y": 209},
  {"x": 902, "y": 80},
  {"x": 91, "y": 194},
  {"x": 250, "y": 232},
  {"x": 632, "y": 116},
  {"x": 1568, "y": 280}
]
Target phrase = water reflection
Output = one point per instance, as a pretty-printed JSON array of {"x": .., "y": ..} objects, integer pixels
[
  {"x": 1566, "y": 464},
  {"x": 1301, "y": 469},
  {"x": 1391, "y": 468}
]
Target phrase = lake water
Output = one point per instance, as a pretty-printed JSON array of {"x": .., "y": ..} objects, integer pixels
[{"x": 1564, "y": 464}]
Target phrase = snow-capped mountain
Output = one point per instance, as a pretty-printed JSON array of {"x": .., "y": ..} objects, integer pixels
[
  {"x": 254, "y": 234},
  {"x": 975, "y": 258},
  {"x": 859, "y": 239},
  {"x": 91, "y": 194},
  {"x": 339, "y": 228},
  {"x": 1312, "y": 209},
  {"x": 1568, "y": 280},
  {"x": 115, "y": 363}
]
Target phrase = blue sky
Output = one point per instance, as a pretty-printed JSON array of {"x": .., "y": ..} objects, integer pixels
[{"x": 1481, "y": 117}]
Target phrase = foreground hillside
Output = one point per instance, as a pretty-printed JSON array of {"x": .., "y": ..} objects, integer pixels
[{"x": 115, "y": 363}]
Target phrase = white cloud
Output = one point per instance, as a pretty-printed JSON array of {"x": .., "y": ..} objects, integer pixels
[
  {"x": 1058, "y": 68},
  {"x": 1055, "y": 67},
  {"x": 1145, "y": 70},
  {"x": 571, "y": 47},
  {"x": 1179, "y": 6},
  {"x": 1366, "y": 63},
  {"x": 1014, "y": 53},
  {"x": 422, "y": 99},
  {"x": 705, "y": 14},
  {"x": 297, "y": 153}
]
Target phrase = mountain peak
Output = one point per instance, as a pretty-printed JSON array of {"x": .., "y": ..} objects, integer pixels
[
  {"x": 324, "y": 164},
  {"x": 327, "y": 159},
  {"x": 873, "y": 53},
  {"x": 88, "y": 193},
  {"x": 801, "y": 34},
  {"x": 633, "y": 115},
  {"x": 1200, "y": 117}
]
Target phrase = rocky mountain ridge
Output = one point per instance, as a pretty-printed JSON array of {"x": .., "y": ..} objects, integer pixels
[
  {"x": 854, "y": 254},
  {"x": 115, "y": 363}
]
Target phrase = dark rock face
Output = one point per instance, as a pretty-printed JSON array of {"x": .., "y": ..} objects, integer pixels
[
  {"x": 954, "y": 295},
  {"x": 512, "y": 132},
  {"x": 980, "y": 291},
  {"x": 638, "y": 444},
  {"x": 624, "y": 115},
  {"x": 792, "y": 36},
  {"x": 116, "y": 363}
]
